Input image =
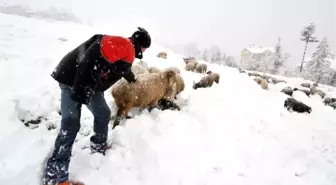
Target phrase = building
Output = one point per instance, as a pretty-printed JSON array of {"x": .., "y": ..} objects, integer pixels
[{"x": 255, "y": 53}]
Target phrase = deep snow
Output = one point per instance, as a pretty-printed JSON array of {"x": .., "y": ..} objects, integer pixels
[{"x": 232, "y": 133}]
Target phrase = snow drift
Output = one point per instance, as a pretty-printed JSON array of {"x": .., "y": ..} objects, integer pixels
[{"x": 232, "y": 133}]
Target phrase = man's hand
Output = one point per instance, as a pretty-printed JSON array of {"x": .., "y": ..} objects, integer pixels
[{"x": 132, "y": 80}]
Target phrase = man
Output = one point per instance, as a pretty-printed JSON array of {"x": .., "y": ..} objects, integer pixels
[{"x": 83, "y": 75}]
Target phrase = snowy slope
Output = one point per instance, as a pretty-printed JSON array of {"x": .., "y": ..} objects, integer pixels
[{"x": 232, "y": 133}]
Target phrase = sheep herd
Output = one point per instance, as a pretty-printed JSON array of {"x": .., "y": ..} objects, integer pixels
[
  {"x": 291, "y": 103},
  {"x": 155, "y": 87}
]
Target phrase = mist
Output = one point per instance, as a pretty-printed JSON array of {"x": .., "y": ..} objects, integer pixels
[{"x": 231, "y": 25}]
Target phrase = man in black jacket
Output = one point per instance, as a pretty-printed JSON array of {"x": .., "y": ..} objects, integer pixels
[{"x": 83, "y": 75}]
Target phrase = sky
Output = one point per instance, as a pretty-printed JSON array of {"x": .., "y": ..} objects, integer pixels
[{"x": 229, "y": 24}]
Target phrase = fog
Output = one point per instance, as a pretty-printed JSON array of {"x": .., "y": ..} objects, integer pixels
[{"x": 229, "y": 24}]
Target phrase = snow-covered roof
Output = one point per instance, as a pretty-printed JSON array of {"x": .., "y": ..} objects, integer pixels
[{"x": 259, "y": 49}]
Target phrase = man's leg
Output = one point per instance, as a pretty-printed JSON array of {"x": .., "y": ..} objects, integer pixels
[
  {"x": 101, "y": 113},
  {"x": 58, "y": 164}
]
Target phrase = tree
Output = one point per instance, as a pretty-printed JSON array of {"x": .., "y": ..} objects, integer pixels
[
  {"x": 319, "y": 67},
  {"x": 205, "y": 55},
  {"x": 307, "y": 37},
  {"x": 279, "y": 59},
  {"x": 215, "y": 54},
  {"x": 224, "y": 57},
  {"x": 231, "y": 62},
  {"x": 191, "y": 50},
  {"x": 333, "y": 79}
]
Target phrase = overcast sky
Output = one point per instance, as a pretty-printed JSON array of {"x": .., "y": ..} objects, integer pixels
[{"x": 230, "y": 24}]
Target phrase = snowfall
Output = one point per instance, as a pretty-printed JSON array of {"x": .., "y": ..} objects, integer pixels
[{"x": 233, "y": 133}]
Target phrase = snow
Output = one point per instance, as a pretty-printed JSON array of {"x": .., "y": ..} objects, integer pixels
[
  {"x": 232, "y": 133},
  {"x": 332, "y": 63},
  {"x": 259, "y": 49}
]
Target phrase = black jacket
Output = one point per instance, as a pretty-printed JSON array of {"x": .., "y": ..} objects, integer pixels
[{"x": 86, "y": 70}]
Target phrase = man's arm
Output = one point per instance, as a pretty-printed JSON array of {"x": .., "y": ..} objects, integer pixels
[{"x": 124, "y": 69}]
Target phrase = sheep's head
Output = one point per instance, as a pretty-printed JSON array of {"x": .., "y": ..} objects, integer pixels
[{"x": 216, "y": 78}]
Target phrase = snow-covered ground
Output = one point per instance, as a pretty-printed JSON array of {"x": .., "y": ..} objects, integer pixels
[{"x": 232, "y": 133}]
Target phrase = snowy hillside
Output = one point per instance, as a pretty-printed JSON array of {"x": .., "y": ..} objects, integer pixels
[{"x": 232, "y": 133}]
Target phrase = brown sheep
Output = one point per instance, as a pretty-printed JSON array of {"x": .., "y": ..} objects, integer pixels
[
  {"x": 162, "y": 55},
  {"x": 177, "y": 87},
  {"x": 154, "y": 69},
  {"x": 207, "y": 81},
  {"x": 201, "y": 68},
  {"x": 177, "y": 70},
  {"x": 145, "y": 92},
  {"x": 138, "y": 69},
  {"x": 262, "y": 82},
  {"x": 168, "y": 101}
]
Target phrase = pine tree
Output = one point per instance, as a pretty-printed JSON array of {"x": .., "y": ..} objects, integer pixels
[
  {"x": 205, "y": 55},
  {"x": 224, "y": 57},
  {"x": 279, "y": 59},
  {"x": 307, "y": 37},
  {"x": 333, "y": 79},
  {"x": 319, "y": 66},
  {"x": 191, "y": 50},
  {"x": 215, "y": 54},
  {"x": 231, "y": 62}
]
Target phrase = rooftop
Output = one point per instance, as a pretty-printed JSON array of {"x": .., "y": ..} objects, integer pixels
[{"x": 259, "y": 49}]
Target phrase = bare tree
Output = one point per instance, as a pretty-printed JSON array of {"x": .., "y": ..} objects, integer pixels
[{"x": 307, "y": 37}]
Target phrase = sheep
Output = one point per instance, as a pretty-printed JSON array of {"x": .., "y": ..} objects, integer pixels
[
  {"x": 254, "y": 74},
  {"x": 307, "y": 92},
  {"x": 145, "y": 92},
  {"x": 190, "y": 67},
  {"x": 328, "y": 100},
  {"x": 314, "y": 90},
  {"x": 275, "y": 81},
  {"x": 138, "y": 69},
  {"x": 168, "y": 101},
  {"x": 307, "y": 85},
  {"x": 207, "y": 81},
  {"x": 162, "y": 55},
  {"x": 177, "y": 87},
  {"x": 201, "y": 68},
  {"x": 177, "y": 70},
  {"x": 154, "y": 69},
  {"x": 142, "y": 63},
  {"x": 287, "y": 90},
  {"x": 297, "y": 106},
  {"x": 190, "y": 60},
  {"x": 262, "y": 82},
  {"x": 241, "y": 70},
  {"x": 191, "y": 63}
]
